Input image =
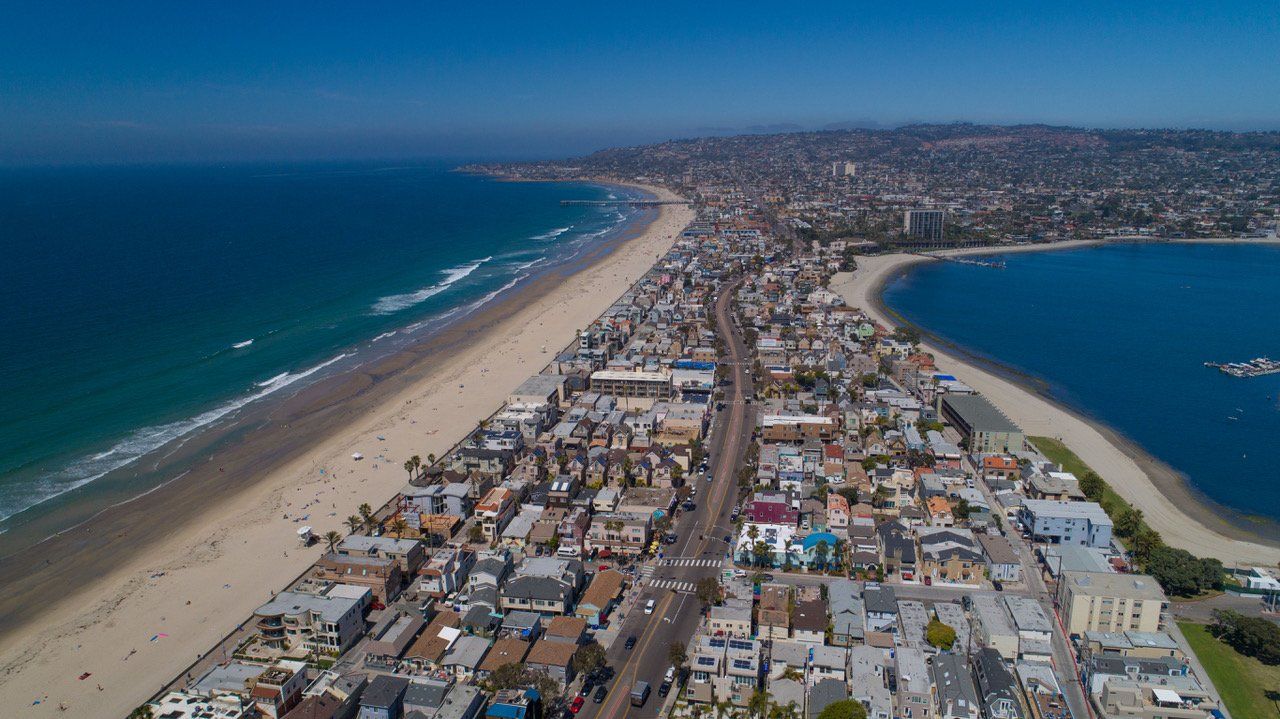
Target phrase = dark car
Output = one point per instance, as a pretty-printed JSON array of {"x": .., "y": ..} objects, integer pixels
[
  {"x": 587, "y": 686},
  {"x": 664, "y": 688},
  {"x": 996, "y": 585},
  {"x": 602, "y": 691},
  {"x": 766, "y": 577},
  {"x": 631, "y": 642}
]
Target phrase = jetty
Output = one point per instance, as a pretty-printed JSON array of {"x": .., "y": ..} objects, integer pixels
[{"x": 1253, "y": 368}]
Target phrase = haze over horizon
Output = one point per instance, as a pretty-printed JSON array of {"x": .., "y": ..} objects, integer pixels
[{"x": 151, "y": 82}]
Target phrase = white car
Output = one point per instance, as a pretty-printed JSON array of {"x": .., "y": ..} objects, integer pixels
[{"x": 649, "y": 606}]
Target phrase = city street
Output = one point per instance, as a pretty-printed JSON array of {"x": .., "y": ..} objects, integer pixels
[{"x": 701, "y": 537}]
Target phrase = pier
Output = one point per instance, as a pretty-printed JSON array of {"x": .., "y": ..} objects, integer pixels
[
  {"x": 633, "y": 203},
  {"x": 962, "y": 260},
  {"x": 1256, "y": 367}
]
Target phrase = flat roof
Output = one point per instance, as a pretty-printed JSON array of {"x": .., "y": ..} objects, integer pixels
[
  {"x": 1110, "y": 584},
  {"x": 979, "y": 414}
]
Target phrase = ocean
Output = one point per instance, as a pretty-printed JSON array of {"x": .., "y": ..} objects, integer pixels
[
  {"x": 1121, "y": 333},
  {"x": 141, "y": 306}
]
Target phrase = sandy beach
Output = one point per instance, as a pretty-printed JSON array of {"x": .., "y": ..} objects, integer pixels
[
  {"x": 1168, "y": 504},
  {"x": 133, "y": 598}
]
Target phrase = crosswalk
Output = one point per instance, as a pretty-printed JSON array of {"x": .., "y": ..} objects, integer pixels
[
  {"x": 674, "y": 585},
  {"x": 689, "y": 562}
]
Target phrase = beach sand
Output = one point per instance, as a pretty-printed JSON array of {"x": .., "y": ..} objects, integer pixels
[
  {"x": 137, "y": 595},
  {"x": 1168, "y": 504}
]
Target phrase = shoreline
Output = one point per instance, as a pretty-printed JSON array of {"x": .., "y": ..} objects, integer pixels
[
  {"x": 190, "y": 562},
  {"x": 1170, "y": 504}
]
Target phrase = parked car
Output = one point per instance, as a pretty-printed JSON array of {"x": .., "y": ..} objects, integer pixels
[
  {"x": 630, "y": 643},
  {"x": 602, "y": 691},
  {"x": 664, "y": 688},
  {"x": 576, "y": 706}
]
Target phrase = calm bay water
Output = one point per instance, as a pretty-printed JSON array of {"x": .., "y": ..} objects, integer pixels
[
  {"x": 1121, "y": 333},
  {"x": 139, "y": 305}
]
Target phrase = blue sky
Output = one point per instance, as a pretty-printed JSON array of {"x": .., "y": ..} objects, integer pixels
[{"x": 122, "y": 81}]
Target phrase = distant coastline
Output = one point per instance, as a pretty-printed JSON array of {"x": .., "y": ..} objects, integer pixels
[{"x": 1179, "y": 496}]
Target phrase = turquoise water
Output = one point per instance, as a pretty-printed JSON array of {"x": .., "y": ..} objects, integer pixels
[
  {"x": 141, "y": 305},
  {"x": 1121, "y": 333}
]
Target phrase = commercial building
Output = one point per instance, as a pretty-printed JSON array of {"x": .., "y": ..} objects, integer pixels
[{"x": 632, "y": 385}]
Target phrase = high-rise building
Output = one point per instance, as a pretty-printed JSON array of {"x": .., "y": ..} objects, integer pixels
[
  {"x": 925, "y": 224},
  {"x": 843, "y": 169}
]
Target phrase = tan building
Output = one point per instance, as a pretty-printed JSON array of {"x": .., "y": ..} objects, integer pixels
[
  {"x": 1108, "y": 602},
  {"x": 619, "y": 532}
]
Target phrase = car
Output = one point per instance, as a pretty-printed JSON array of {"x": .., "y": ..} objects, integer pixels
[
  {"x": 587, "y": 686},
  {"x": 538, "y": 551},
  {"x": 997, "y": 585},
  {"x": 766, "y": 577},
  {"x": 728, "y": 539},
  {"x": 576, "y": 706},
  {"x": 602, "y": 691},
  {"x": 664, "y": 688},
  {"x": 630, "y": 643},
  {"x": 650, "y": 606},
  {"x": 602, "y": 567}
]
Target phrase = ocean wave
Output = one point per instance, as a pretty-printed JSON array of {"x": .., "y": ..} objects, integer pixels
[
  {"x": 241, "y": 345},
  {"x": 552, "y": 234},
  {"x": 383, "y": 336},
  {"x": 140, "y": 443},
  {"x": 526, "y": 265},
  {"x": 395, "y": 303}
]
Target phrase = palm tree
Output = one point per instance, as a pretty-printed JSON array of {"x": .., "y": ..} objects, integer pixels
[
  {"x": 417, "y": 464},
  {"x": 759, "y": 703},
  {"x": 366, "y": 514},
  {"x": 331, "y": 538},
  {"x": 399, "y": 526},
  {"x": 354, "y": 523},
  {"x": 408, "y": 467},
  {"x": 820, "y": 554},
  {"x": 431, "y": 459}
]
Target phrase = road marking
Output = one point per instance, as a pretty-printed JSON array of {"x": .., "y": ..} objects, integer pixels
[{"x": 674, "y": 585}]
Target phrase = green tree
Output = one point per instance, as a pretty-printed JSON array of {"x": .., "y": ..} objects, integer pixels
[
  {"x": 143, "y": 712},
  {"x": 588, "y": 658},
  {"x": 331, "y": 539},
  {"x": 758, "y": 704},
  {"x": 1145, "y": 543},
  {"x": 844, "y": 709},
  {"x": 476, "y": 534},
  {"x": 408, "y": 467},
  {"x": 1181, "y": 573},
  {"x": 1092, "y": 486},
  {"x": 1128, "y": 521},
  {"x": 354, "y": 523},
  {"x": 677, "y": 654},
  {"x": 940, "y": 635},
  {"x": 708, "y": 591},
  {"x": 820, "y": 554},
  {"x": 1251, "y": 636}
]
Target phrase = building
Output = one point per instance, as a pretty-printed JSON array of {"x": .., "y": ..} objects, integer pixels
[
  {"x": 992, "y": 626},
  {"x": 1107, "y": 602},
  {"x": 915, "y": 688},
  {"x": 407, "y": 553},
  {"x": 924, "y": 224},
  {"x": 601, "y": 595},
  {"x": 495, "y": 511},
  {"x": 552, "y": 657},
  {"x": 184, "y": 705},
  {"x": 1054, "y": 522},
  {"x": 953, "y": 688},
  {"x": 985, "y": 428},
  {"x": 997, "y": 689},
  {"x": 1002, "y": 562},
  {"x": 383, "y": 698},
  {"x": 950, "y": 555},
  {"x": 625, "y": 533},
  {"x": 632, "y": 385},
  {"x": 327, "y": 623}
]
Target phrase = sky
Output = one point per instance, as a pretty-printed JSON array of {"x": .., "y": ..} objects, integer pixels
[{"x": 120, "y": 81}]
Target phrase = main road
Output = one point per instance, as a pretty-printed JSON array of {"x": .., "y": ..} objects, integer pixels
[{"x": 700, "y": 535}]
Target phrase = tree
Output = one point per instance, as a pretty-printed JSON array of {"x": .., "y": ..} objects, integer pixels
[
  {"x": 1092, "y": 486},
  {"x": 820, "y": 554},
  {"x": 408, "y": 467},
  {"x": 1181, "y": 573},
  {"x": 476, "y": 534},
  {"x": 431, "y": 458},
  {"x": 758, "y": 704},
  {"x": 844, "y": 709},
  {"x": 417, "y": 464},
  {"x": 1145, "y": 543},
  {"x": 708, "y": 591},
  {"x": 760, "y": 553},
  {"x": 940, "y": 635},
  {"x": 1128, "y": 521},
  {"x": 366, "y": 513},
  {"x": 399, "y": 526},
  {"x": 588, "y": 658},
  {"x": 1251, "y": 636},
  {"x": 677, "y": 654},
  {"x": 354, "y": 523},
  {"x": 143, "y": 712},
  {"x": 331, "y": 538}
]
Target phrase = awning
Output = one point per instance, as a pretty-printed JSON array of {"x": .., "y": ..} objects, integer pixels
[{"x": 1167, "y": 696}]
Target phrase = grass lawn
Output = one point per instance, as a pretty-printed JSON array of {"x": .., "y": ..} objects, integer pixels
[{"x": 1243, "y": 682}]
